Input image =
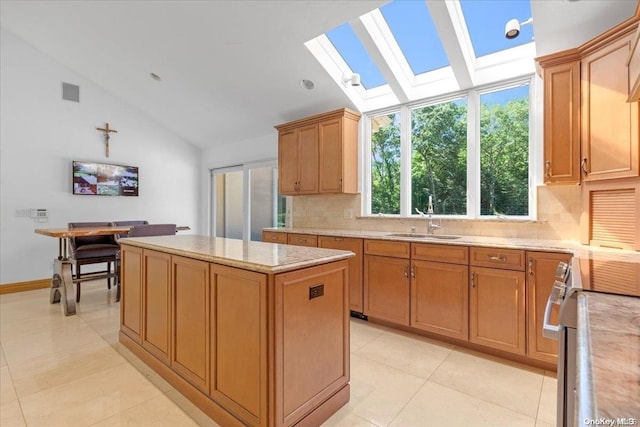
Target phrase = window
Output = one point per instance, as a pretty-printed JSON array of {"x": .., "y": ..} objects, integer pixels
[
  {"x": 385, "y": 164},
  {"x": 439, "y": 157},
  {"x": 469, "y": 169}
]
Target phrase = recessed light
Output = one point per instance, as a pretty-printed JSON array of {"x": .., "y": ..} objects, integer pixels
[
  {"x": 307, "y": 84},
  {"x": 155, "y": 77}
]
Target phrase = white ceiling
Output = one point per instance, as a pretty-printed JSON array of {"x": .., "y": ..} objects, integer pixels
[{"x": 231, "y": 69}]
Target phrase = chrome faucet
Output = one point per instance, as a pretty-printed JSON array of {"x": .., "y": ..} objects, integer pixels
[{"x": 431, "y": 227}]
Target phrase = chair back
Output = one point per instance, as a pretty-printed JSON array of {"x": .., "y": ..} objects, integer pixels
[
  {"x": 152, "y": 230},
  {"x": 91, "y": 240},
  {"x": 127, "y": 223}
]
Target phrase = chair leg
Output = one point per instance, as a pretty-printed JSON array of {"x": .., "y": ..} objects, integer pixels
[
  {"x": 78, "y": 285},
  {"x": 108, "y": 278}
]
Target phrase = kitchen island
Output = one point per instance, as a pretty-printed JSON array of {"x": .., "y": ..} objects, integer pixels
[{"x": 252, "y": 333}]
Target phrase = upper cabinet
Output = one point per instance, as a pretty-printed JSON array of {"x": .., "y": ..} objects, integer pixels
[
  {"x": 634, "y": 68},
  {"x": 319, "y": 154},
  {"x": 590, "y": 128}
]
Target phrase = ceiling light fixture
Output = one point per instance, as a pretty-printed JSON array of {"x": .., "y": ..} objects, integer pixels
[
  {"x": 155, "y": 77},
  {"x": 354, "y": 80},
  {"x": 307, "y": 84},
  {"x": 512, "y": 29}
]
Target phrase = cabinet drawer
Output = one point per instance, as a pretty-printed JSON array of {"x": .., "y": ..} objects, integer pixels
[
  {"x": 303, "y": 239},
  {"x": 387, "y": 248},
  {"x": 274, "y": 237},
  {"x": 440, "y": 253},
  {"x": 510, "y": 259}
]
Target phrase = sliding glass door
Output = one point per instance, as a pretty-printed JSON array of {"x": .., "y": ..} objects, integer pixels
[{"x": 246, "y": 200}]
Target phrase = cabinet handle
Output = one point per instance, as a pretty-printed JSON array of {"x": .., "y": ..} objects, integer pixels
[
  {"x": 274, "y": 238},
  {"x": 547, "y": 169},
  {"x": 406, "y": 271},
  {"x": 413, "y": 271},
  {"x": 531, "y": 267},
  {"x": 338, "y": 239},
  {"x": 340, "y": 182},
  {"x": 473, "y": 279},
  {"x": 583, "y": 166},
  {"x": 496, "y": 258}
]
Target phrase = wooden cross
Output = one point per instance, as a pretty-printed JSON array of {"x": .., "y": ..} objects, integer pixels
[{"x": 106, "y": 131}]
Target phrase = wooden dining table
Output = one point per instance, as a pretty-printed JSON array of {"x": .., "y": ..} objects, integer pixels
[{"x": 62, "y": 280}]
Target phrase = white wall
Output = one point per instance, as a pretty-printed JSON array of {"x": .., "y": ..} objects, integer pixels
[{"x": 41, "y": 134}]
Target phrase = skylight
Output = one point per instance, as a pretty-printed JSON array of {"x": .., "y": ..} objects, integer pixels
[
  {"x": 486, "y": 20},
  {"x": 355, "y": 55},
  {"x": 412, "y": 27},
  {"x": 412, "y": 50}
]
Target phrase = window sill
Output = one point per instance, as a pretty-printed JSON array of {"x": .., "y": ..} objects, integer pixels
[{"x": 509, "y": 219}]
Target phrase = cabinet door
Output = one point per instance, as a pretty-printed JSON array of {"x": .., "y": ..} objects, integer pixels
[
  {"x": 298, "y": 239},
  {"x": 541, "y": 272},
  {"x": 288, "y": 162},
  {"x": 131, "y": 300},
  {"x": 308, "y": 160},
  {"x": 331, "y": 160},
  {"x": 497, "y": 313},
  {"x": 274, "y": 237},
  {"x": 356, "y": 291},
  {"x": 190, "y": 328},
  {"x": 156, "y": 318},
  {"x": 239, "y": 366},
  {"x": 562, "y": 123},
  {"x": 387, "y": 288},
  {"x": 440, "y": 298},
  {"x": 609, "y": 122}
]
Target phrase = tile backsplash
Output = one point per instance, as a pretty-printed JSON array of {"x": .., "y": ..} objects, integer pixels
[{"x": 559, "y": 209}]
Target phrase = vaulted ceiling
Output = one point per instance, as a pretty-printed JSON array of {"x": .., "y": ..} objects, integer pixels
[{"x": 230, "y": 70}]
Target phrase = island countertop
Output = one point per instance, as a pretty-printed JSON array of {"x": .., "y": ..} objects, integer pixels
[{"x": 255, "y": 256}]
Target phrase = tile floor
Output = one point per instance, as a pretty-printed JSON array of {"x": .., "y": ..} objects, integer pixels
[{"x": 71, "y": 371}]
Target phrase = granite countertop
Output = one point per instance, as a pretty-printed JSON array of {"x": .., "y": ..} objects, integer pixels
[
  {"x": 255, "y": 256},
  {"x": 608, "y": 357}
]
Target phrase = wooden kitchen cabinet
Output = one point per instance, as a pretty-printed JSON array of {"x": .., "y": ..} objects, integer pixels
[
  {"x": 562, "y": 123},
  {"x": 387, "y": 288},
  {"x": 190, "y": 327},
  {"x": 497, "y": 309},
  {"x": 634, "y": 68},
  {"x": 156, "y": 306},
  {"x": 540, "y": 277},
  {"x": 298, "y": 239},
  {"x": 609, "y": 122},
  {"x": 298, "y": 160},
  {"x": 339, "y": 154},
  {"x": 274, "y": 237},
  {"x": 319, "y": 154},
  {"x": 356, "y": 290},
  {"x": 131, "y": 265}
]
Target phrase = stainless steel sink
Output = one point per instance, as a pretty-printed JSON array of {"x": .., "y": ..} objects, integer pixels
[{"x": 424, "y": 236}]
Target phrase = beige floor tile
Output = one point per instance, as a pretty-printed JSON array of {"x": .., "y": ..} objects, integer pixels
[
  {"x": 3, "y": 360},
  {"x": 18, "y": 311},
  {"x": 379, "y": 392},
  {"x": 362, "y": 333},
  {"x": 159, "y": 411},
  {"x": 90, "y": 399},
  {"x": 547, "y": 407},
  {"x": 412, "y": 354},
  {"x": 13, "y": 330},
  {"x": 192, "y": 410},
  {"x": 345, "y": 418},
  {"x": 544, "y": 424},
  {"x": 7, "y": 390},
  {"x": 11, "y": 415},
  {"x": 69, "y": 365},
  {"x": 436, "y": 405},
  {"x": 513, "y": 386},
  {"x": 142, "y": 367},
  {"x": 68, "y": 335}
]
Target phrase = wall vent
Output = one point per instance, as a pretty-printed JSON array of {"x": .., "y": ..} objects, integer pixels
[{"x": 70, "y": 92}]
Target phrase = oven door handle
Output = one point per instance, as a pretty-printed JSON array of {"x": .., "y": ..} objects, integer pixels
[{"x": 549, "y": 330}]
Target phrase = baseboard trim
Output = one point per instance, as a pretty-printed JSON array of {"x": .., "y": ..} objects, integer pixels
[{"x": 31, "y": 285}]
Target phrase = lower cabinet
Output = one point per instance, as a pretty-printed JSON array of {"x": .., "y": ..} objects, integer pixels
[
  {"x": 440, "y": 298},
  {"x": 156, "y": 313},
  {"x": 356, "y": 291},
  {"x": 497, "y": 309},
  {"x": 541, "y": 272},
  {"x": 131, "y": 265},
  {"x": 387, "y": 288},
  {"x": 190, "y": 312}
]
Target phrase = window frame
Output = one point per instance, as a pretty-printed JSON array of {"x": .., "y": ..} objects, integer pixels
[{"x": 473, "y": 151}]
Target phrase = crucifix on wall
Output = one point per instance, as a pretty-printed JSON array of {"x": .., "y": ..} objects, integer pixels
[{"x": 107, "y": 131}]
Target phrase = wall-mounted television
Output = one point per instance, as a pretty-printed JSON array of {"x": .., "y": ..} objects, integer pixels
[{"x": 100, "y": 179}]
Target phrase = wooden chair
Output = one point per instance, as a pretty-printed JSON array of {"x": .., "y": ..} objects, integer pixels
[
  {"x": 145, "y": 230},
  {"x": 126, "y": 223},
  {"x": 92, "y": 250}
]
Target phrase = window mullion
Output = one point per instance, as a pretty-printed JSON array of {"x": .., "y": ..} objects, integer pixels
[
  {"x": 405, "y": 161},
  {"x": 473, "y": 155}
]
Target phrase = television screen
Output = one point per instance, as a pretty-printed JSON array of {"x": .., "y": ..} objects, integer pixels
[{"x": 104, "y": 179}]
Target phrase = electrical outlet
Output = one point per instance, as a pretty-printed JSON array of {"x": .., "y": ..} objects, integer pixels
[{"x": 348, "y": 213}]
